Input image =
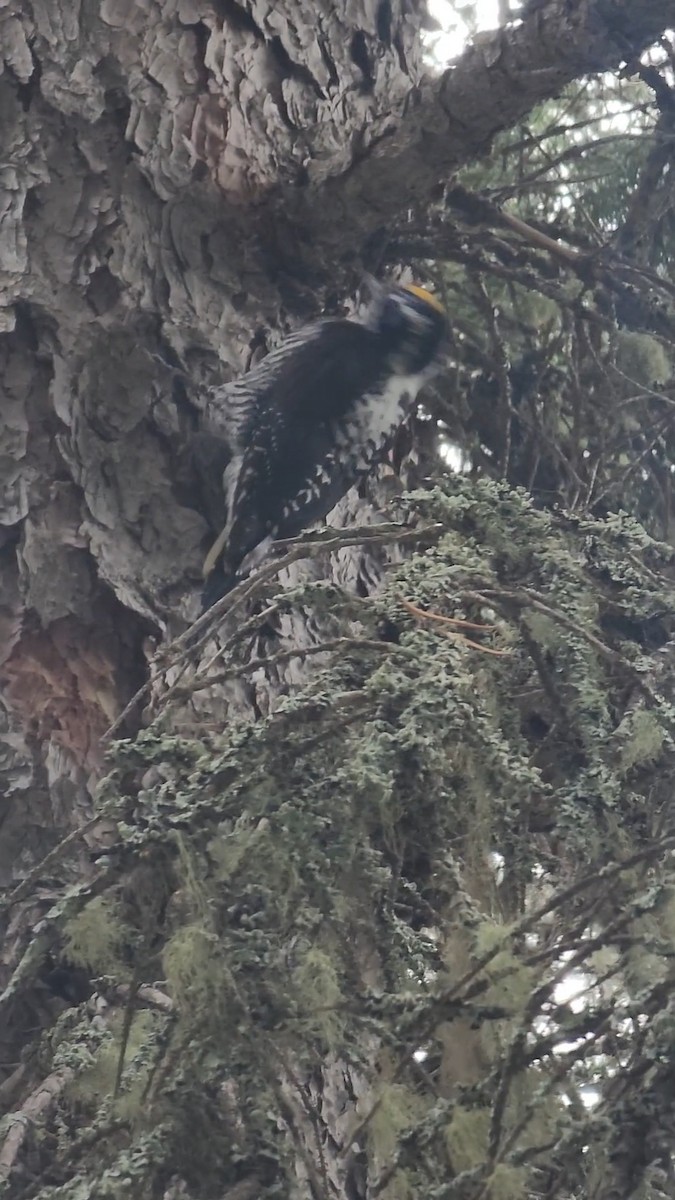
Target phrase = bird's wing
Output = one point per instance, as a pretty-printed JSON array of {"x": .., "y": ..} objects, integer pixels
[
  {"x": 294, "y": 468},
  {"x": 233, "y": 406}
]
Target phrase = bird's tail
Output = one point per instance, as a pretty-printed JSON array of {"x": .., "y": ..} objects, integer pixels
[{"x": 219, "y": 583}]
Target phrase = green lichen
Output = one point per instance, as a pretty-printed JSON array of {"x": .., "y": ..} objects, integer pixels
[{"x": 94, "y": 937}]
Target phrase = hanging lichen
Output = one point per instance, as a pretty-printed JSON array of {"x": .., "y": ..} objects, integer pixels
[{"x": 388, "y": 878}]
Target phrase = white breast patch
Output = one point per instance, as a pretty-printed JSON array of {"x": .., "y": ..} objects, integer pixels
[{"x": 378, "y": 416}]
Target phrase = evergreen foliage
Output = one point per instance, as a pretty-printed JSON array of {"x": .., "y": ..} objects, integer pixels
[{"x": 396, "y": 871}]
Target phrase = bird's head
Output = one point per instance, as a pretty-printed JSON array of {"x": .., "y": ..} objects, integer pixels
[{"x": 413, "y": 325}]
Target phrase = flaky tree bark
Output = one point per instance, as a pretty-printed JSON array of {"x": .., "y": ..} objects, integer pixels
[{"x": 181, "y": 181}]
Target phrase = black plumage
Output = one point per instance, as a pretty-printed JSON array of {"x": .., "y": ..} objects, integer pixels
[{"x": 314, "y": 417}]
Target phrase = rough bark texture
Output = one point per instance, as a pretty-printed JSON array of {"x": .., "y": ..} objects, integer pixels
[
  {"x": 180, "y": 179},
  {"x": 136, "y": 138}
]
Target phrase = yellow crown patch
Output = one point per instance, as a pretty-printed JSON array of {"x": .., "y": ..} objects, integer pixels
[{"x": 423, "y": 294}]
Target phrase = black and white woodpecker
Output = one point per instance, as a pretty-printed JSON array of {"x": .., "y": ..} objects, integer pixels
[{"x": 315, "y": 416}]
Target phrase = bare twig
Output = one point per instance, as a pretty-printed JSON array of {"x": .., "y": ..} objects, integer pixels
[
  {"x": 45, "y": 864},
  {"x": 325, "y": 541},
  {"x": 37, "y": 1105},
  {"x": 282, "y": 656},
  {"x": 421, "y": 615}
]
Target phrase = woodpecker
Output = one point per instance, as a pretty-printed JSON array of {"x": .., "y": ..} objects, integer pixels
[{"x": 314, "y": 417}]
